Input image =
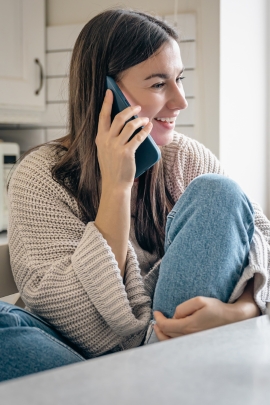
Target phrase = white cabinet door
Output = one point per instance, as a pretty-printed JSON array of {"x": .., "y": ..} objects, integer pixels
[{"x": 22, "y": 55}]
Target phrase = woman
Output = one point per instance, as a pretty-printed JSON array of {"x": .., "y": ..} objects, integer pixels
[{"x": 83, "y": 232}]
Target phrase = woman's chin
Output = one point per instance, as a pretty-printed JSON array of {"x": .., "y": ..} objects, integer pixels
[{"x": 162, "y": 139}]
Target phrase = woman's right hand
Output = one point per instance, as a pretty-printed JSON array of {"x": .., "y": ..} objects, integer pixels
[{"x": 116, "y": 154}]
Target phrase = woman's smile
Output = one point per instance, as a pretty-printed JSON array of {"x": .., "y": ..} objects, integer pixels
[{"x": 166, "y": 122}]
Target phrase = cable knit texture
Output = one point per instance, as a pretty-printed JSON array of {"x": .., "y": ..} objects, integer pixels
[{"x": 66, "y": 272}]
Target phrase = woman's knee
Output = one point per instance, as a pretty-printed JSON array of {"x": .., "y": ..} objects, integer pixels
[
  {"x": 215, "y": 194},
  {"x": 218, "y": 189},
  {"x": 214, "y": 201}
]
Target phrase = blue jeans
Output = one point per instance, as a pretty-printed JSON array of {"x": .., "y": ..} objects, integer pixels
[
  {"x": 28, "y": 344},
  {"x": 208, "y": 234}
]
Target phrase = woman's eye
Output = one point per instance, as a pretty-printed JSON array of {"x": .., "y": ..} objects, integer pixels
[
  {"x": 162, "y": 84},
  {"x": 158, "y": 85},
  {"x": 180, "y": 78}
]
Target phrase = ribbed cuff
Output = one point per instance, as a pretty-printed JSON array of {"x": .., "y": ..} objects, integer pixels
[{"x": 257, "y": 269}]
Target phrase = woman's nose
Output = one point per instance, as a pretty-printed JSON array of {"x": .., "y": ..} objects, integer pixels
[{"x": 177, "y": 99}]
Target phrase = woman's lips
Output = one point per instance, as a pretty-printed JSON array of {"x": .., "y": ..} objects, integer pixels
[{"x": 165, "y": 124}]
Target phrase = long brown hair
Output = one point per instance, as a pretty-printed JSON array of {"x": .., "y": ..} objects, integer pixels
[{"x": 110, "y": 43}]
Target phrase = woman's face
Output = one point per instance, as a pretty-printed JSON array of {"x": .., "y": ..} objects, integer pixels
[{"x": 156, "y": 86}]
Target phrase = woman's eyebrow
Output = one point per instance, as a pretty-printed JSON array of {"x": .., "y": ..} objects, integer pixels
[{"x": 162, "y": 75}]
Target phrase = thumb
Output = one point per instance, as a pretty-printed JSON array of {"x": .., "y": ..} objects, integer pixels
[
  {"x": 159, "y": 317},
  {"x": 188, "y": 308}
]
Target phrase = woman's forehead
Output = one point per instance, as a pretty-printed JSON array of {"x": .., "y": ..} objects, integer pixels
[{"x": 166, "y": 61}]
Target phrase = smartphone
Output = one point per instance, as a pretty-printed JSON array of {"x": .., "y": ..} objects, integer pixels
[{"x": 148, "y": 153}]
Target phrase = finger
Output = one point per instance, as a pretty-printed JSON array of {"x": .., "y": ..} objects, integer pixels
[
  {"x": 160, "y": 335},
  {"x": 135, "y": 142},
  {"x": 188, "y": 308},
  {"x": 175, "y": 335},
  {"x": 159, "y": 316},
  {"x": 122, "y": 117},
  {"x": 130, "y": 128},
  {"x": 169, "y": 326},
  {"x": 104, "y": 122}
]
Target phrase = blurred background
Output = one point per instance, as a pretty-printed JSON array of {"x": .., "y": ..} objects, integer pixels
[{"x": 225, "y": 49}]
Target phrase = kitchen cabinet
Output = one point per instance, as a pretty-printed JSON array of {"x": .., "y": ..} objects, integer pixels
[{"x": 22, "y": 57}]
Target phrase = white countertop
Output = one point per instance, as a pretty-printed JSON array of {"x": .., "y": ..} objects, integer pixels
[{"x": 222, "y": 366}]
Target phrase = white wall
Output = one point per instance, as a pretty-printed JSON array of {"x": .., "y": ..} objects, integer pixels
[
  {"x": 243, "y": 94},
  {"x": 268, "y": 108},
  {"x": 61, "y": 12}
]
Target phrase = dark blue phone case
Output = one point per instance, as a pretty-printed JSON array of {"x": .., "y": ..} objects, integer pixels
[{"x": 148, "y": 153}]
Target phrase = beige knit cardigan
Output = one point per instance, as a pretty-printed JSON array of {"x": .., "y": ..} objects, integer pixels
[{"x": 66, "y": 272}]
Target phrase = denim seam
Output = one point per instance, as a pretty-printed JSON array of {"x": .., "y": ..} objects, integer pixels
[
  {"x": 36, "y": 317},
  {"x": 60, "y": 343},
  {"x": 7, "y": 310},
  {"x": 169, "y": 240},
  {"x": 248, "y": 228},
  {"x": 168, "y": 236},
  {"x": 245, "y": 245},
  {"x": 17, "y": 319}
]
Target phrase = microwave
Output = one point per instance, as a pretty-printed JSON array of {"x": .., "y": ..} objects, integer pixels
[{"x": 9, "y": 154}]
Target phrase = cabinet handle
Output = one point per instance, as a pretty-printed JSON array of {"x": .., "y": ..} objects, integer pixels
[{"x": 40, "y": 77}]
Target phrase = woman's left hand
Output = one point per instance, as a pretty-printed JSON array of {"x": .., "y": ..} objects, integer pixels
[{"x": 195, "y": 315}]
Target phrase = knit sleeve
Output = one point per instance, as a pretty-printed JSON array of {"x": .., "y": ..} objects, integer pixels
[
  {"x": 186, "y": 159},
  {"x": 65, "y": 270}
]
